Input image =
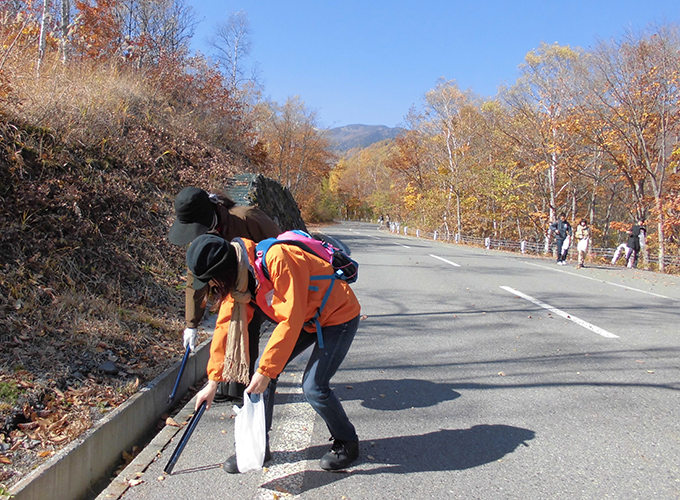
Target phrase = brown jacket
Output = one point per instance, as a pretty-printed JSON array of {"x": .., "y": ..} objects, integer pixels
[{"x": 239, "y": 221}]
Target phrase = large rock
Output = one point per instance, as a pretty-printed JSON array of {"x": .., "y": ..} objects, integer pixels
[{"x": 269, "y": 196}]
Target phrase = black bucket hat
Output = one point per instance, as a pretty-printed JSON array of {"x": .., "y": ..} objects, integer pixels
[
  {"x": 208, "y": 257},
  {"x": 195, "y": 214}
]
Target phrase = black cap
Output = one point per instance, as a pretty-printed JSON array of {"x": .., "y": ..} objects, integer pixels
[
  {"x": 195, "y": 215},
  {"x": 208, "y": 257}
]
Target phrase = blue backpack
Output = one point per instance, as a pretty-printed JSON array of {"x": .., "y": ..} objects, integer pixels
[{"x": 344, "y": 267}]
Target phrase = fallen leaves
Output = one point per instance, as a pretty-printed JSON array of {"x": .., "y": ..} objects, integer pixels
[{"x": 171, "y": 421}]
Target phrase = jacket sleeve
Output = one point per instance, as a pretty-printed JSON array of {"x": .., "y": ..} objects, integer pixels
[{"x": 193, "y": 303}]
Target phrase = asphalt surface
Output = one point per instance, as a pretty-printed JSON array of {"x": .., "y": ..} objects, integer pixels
[{"x": 475, "y": 374}]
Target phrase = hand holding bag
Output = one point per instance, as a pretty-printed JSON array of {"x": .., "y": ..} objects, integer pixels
[{"x": 249, "y": 433}]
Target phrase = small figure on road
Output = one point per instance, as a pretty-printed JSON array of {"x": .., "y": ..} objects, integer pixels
[
  {"x": 636, "y": 236},
  {"x": 229, "y": 267},
  {"x": 562, "y": 231},
  {"x": 199, "y": 212},
  {"x": 583, "y": 237}
]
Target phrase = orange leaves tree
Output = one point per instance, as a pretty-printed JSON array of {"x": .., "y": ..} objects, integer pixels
[
  {"x": 593, "y": 134},
  {"x": 298, "y": 153},
  {"x": 635, "y": 91}
]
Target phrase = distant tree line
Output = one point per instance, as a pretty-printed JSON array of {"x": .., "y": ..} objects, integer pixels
[{"x": 593, "y": 134}]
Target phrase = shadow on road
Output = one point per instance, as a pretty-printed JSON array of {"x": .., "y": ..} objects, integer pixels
[
  {"x": 444, "y": 450},
  {"x": 391, "y": 395}
]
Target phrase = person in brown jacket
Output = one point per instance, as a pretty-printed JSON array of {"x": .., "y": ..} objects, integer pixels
[{"x": 198, "y": 212}]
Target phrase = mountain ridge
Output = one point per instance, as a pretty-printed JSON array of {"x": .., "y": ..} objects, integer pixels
[{"x": 357, "y": 135}]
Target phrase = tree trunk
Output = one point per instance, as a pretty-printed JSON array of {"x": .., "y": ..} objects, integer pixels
[
  {"x": 43, "y": 35},
  {"x": 65, "y": 22},
  {"x": 662, "y": 237}
]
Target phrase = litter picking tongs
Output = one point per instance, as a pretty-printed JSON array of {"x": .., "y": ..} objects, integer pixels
[
  {"x": 185, "y": 438},
  {"x": 179, "y": 375}
]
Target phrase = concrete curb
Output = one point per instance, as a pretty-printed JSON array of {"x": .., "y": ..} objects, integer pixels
[
  {"x": 136, "y": 468},
  {"x": 74, "y": 471}
]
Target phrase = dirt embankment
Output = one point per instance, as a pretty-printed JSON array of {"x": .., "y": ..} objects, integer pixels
[{"x": 90, "y": 288}]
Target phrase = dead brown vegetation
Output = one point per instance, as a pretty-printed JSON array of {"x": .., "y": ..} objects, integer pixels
[{"x": 90, "y": 160}]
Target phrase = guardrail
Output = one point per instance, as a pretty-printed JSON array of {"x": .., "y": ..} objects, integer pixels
[{"x": 530, "y": 247}]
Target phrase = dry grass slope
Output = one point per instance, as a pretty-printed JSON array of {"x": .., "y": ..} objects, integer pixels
[{"x": 90, "y": 160}]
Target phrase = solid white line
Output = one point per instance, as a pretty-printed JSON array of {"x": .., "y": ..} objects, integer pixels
[
  {"x": 559, "y": 312},
  {"x": 444, "y": 260},
  {"x": 599, "y": 280}
]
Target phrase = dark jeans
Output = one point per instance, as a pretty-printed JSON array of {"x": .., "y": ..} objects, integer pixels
[
  {"x": 560, "y": 257},
  {"x": 322, "y": 365}
]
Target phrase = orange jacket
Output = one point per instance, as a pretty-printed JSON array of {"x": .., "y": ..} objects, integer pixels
[{"x": 292, "y": 305}]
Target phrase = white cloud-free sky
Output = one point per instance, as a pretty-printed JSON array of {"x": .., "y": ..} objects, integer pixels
[{"x": 369, "y": 61}]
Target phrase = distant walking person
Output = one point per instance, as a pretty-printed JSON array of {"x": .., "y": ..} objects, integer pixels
[
  {"x": 562, "y": 231},
  {"x": 636, "y": 234},
  {"x": 583, "y": 237}
]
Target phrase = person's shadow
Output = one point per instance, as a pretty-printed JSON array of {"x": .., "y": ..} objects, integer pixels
[
  {"x": 394, "y": 395},
  {"x": 443, "y": 450}
]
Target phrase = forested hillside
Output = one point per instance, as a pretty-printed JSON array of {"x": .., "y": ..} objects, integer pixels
[{"x": 357, "y": 137}]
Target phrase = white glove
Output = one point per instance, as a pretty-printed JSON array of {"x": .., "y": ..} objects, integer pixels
[{"x": 190, "y": 338}]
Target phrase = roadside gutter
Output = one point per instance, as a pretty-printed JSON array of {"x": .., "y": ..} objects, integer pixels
[{"x": 76, "y": 470}]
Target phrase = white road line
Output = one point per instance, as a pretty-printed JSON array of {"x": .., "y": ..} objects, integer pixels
[
  {"x": 291, "y": 435},
  {"x": 600, "y": 281},
  {"x": 444, "y": 260},
  {"x": 559, "y": 312},
  {"x": 405, "y": 246}
]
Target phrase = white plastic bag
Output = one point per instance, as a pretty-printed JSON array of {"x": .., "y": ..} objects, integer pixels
[
  {"x": 583, "y": 245},
  {"x": 249, "y": 433}
]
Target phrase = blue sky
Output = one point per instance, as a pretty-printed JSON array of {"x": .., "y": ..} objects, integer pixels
[{"x": 369, "y": 61}]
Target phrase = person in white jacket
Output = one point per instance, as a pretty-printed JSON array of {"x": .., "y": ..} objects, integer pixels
[{"x": 583, "y": 237}]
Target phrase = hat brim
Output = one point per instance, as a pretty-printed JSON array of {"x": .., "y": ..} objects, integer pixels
[
  {"x": 183, "y": 234},
  {"x": 197, "y": 284}
]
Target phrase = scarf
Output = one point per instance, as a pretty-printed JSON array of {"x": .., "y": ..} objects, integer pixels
[{"x": 236, "y": 357}]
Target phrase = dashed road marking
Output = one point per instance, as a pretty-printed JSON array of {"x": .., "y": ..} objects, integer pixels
[
  {"x": 291, "y": 436},
  {"x": 559, "y": 312},
  {"x": 444, "y": 260}
]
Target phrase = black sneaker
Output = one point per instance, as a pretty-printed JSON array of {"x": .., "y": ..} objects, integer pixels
[
  {"x": 342, "y": 454},
  {"x": 231, "y": 466}
]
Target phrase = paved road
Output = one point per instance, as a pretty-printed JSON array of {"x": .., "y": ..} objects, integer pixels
[{"x": 476, "y": 375}]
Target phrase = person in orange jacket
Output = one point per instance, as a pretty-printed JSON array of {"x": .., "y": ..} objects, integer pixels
[{"x": 229, "y": 267}]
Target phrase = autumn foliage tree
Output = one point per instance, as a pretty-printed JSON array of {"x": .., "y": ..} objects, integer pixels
[{"x": 593, "y": 134}]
